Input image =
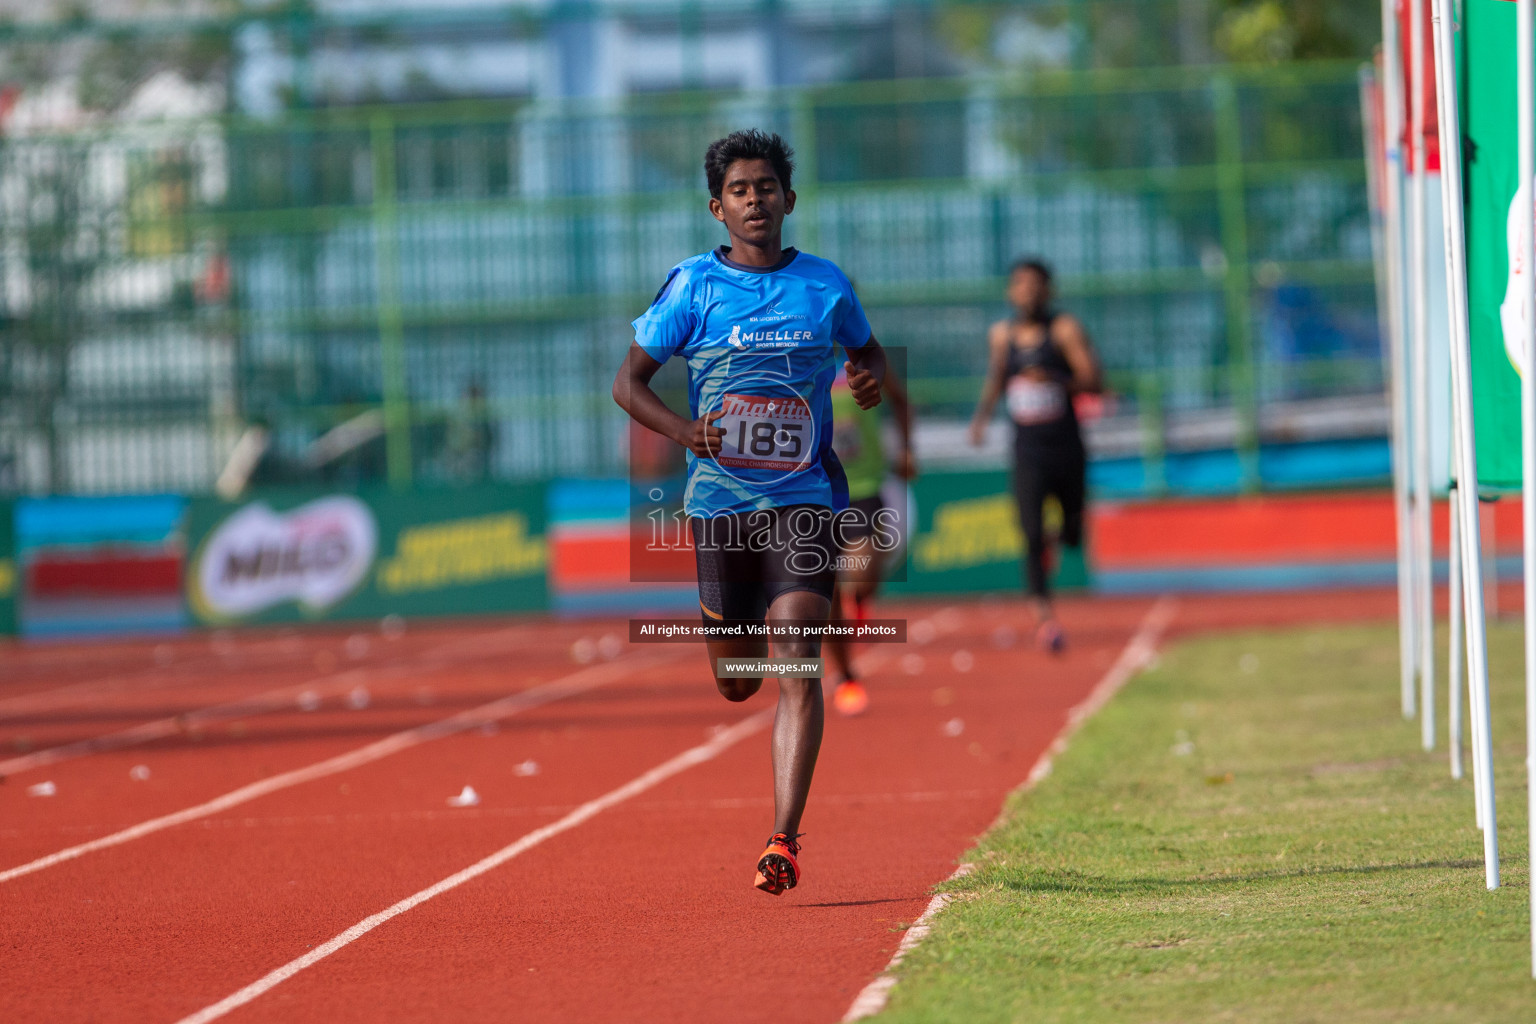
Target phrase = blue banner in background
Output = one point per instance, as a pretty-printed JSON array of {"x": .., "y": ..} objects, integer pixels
[
  {"x": 100, "y": 565},
  {"x": 7, "y": 572}
]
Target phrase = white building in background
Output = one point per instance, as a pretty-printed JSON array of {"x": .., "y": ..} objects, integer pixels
[
  {"x": 359, "y": 50},
  {"x": 508, "y": 296},
  {"x": 127, "y": 392}
]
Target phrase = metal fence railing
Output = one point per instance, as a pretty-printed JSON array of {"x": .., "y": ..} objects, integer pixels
[{"x": 461, "y": 276}]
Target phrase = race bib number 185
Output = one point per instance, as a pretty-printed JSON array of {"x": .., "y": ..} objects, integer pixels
[{"x": 766, "y": 432}]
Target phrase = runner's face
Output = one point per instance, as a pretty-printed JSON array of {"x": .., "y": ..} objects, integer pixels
[
  {"x": 752, "y": 204},
  {"x": 1028, "y": 291}
]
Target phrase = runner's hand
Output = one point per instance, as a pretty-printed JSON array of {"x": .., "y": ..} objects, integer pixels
[
  {"x": 703, "y": 438},
  {"x": 866, "y": 390}
]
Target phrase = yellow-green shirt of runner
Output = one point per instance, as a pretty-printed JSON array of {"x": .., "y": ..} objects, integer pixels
[{"x": 857, "y": 440}]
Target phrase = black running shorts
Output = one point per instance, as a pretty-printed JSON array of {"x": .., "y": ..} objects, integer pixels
[
  {"x": 747, "y": 560},
  {"x": 858, "y": 522}
]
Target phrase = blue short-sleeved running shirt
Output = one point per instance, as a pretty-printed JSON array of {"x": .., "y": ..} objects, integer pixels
[{"x": 761, "y": 343}]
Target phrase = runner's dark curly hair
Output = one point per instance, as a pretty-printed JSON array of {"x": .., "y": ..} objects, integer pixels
[
  {"x": 747, "y": 145},
  {"x": 1034, "y": 265}
]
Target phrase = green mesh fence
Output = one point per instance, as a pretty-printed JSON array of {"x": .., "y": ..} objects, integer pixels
[{"x": 455, "y": 281}]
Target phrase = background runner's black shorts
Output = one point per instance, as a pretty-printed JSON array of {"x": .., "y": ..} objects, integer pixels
[
  {"x": 746, "y": 560},
  {"x": 859, "y": 521}
]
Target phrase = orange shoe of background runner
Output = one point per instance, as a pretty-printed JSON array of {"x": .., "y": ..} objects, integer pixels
[
  {"x": 850, "y": 698},
  {"x": 777, "y": 869}
]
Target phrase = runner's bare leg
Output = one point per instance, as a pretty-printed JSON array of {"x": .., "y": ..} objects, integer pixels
[
  {"x": 797, "y": 724},
  {"x": 854, "y": 588},
  {"x": 837, "y": 651},
  {"x": 736, "y": 689}
]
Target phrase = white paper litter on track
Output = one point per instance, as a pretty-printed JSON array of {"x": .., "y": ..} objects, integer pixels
[
  {"x": 577, "y": 682},
  {"x": 467, "y": 798},
  {"x": 687, "y": 759}
]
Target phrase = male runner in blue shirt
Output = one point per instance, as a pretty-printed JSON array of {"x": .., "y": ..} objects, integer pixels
[{"x": 758, "y": 325}]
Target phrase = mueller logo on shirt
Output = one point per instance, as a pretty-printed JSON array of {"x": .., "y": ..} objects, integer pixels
[{"x": 770, "y": 337}]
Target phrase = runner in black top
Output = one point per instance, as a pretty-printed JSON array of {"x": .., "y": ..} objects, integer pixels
[{"x": 1041, "y": 358}]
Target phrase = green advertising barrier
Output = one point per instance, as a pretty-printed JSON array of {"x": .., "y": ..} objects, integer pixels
[
  {"x": 8, "y": 583},
  {"x": 967, "y": 538},
  {"x": 310, "y": 555}
]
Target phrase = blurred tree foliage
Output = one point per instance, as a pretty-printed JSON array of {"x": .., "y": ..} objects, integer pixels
[
  {"x": 1270, "y": 31},
  {"x": 117, "y": 62},
  {"x": 106, "y": 63},
  {"x": 1167, "y": 128},
  {"x": 1156, "y": 33}
]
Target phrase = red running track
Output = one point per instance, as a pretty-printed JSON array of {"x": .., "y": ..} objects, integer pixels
[{"x": 642, "y": 911}]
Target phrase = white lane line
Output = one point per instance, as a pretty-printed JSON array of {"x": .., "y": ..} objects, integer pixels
[
  {"x": 440, "y": 656},
  {"x": 160, "y": 728},
  {"x": 192, "y": 668},
  {"x": 1138, "y": 652},
  {"x": 461, "y": 814},
  {"x": 464, "y": 814},
  {"x": 871, "y": 999},
  {"x": 682, "y": 762},
  {"x": 576, "y": 682},
  {"x": 155, "y": 678},
  {"x": 69, "y": 694},
  {"x": 196, "y": 666}
]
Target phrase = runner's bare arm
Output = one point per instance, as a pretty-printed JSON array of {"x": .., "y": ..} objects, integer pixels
[
  {"x": 1075, "y": 345},
  {"x": 632, "y": 391},
  {"x": 997, "y": 368},
  {"x": 906, "y": 465},
  {"x": 866, "y": 370}
]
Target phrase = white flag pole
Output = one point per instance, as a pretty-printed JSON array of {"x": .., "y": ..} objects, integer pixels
[
  {"x": 1383, "y": 185},
  {"x": 1454, "y": 258},
  {"x": 1392, "y": 135},
  {"x": 1525, "y": 56},
  {"x": 1373, "y": 124},
  {"x": 1419, "y": 268},
  {"x": 1476, "y": 691},
  {"x": 1491, "y": 564},
  {"x": 1453, "y": 669},
  {"x": 1463, "y": 432}
]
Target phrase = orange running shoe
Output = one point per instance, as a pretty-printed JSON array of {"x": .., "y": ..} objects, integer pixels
[
  {"x": 777, "y": 869},
  {"x": 850, "y": 698}
]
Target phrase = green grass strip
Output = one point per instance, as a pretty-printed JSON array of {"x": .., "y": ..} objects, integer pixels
[{"x": 1248, "y": 832}]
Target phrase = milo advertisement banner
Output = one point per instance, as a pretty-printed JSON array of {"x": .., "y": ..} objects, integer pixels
[
  {"x": 967, "y": 537},
  {"x": 290, "y": 556},
  {"x": 1494, "y": 271}
]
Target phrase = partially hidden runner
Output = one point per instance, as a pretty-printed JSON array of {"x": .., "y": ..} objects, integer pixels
[
  {"x": 868, "y": 535},
  {"x": 758, "y": 326},
  {"x": 1042, "y": 359}
]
